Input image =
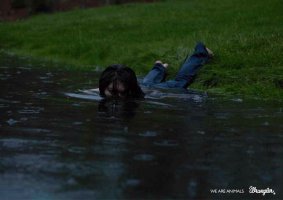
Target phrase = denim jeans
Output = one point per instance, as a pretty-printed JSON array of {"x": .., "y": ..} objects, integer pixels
[{"x": 186, "y": 74}]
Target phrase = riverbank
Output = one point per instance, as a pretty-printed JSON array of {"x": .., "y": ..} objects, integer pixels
[{"x": 246, "y": 38}]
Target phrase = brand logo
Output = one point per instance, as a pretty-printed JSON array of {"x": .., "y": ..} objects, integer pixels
[{"x": 253, "y": 189}]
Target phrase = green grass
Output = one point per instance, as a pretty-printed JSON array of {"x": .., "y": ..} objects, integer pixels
[{"x": 246, "y": 37}]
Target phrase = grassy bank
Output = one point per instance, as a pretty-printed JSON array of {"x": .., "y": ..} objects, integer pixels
[{"x": 246, "y": 36}]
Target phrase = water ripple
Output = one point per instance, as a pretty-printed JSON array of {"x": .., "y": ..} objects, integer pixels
[
  {"x": 31, "y": 110},
  {"x": 167, "y": 143},
  {"x": 148, "y": 134},
  {"x": 144, "y": 157}
]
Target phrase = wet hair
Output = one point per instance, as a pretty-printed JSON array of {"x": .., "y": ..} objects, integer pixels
[{"x": 123, "y": 74}]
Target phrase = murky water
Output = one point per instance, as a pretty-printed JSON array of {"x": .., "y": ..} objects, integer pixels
[{"x": 58, "y": 142}]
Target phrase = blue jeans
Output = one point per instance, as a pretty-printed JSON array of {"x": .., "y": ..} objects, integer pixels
[{"x": 186, "y": 74}]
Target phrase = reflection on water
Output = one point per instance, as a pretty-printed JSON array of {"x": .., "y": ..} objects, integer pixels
[{"x": 58, "y": 142}]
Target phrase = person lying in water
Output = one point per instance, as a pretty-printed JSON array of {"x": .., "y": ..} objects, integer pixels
[{"x": 120, "y": 81}]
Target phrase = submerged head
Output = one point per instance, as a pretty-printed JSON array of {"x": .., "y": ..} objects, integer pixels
[{"x": 119, "y": 81}]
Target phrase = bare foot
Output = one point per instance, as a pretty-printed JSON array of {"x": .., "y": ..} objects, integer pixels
[
  {"x": 165, "y": 65},
  {"x": 210, "y": 53}
]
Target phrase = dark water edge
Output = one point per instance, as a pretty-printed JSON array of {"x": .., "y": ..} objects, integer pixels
[{"x": 168, "y": 146}]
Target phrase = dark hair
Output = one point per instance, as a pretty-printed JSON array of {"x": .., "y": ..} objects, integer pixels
[{"x": 123, "y": 74}]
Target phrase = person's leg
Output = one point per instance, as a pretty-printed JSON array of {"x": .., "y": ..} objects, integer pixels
[
  {"x": 156, "y": 75},
  {"x": 192, "y": 64}
]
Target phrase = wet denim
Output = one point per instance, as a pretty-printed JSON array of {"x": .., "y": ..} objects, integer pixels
[{"x": 186, "y": 74}]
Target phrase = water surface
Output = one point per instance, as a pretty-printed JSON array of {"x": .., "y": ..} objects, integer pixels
[{"x": 59, "y": 142}]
